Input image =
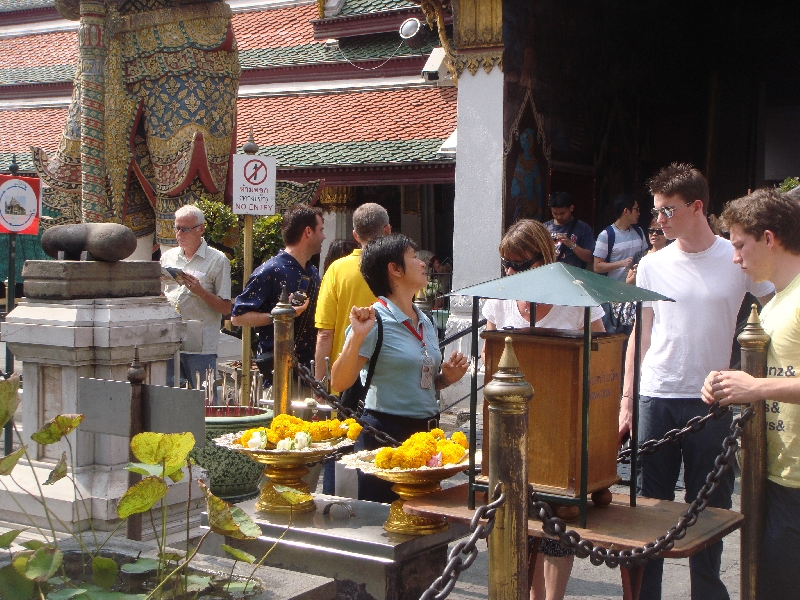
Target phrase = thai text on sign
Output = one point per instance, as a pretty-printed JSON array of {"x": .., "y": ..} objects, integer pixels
[
  {"x": 20, "y": 205},
  {"x": 253, "y": 185}
]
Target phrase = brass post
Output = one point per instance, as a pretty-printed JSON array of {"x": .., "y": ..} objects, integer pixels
[
  {"x": 249, "y": 147},
  {"x": 509, "y": 395},
  {"x": 283, "y": 319},
  {"x": 754, "y": 342}
]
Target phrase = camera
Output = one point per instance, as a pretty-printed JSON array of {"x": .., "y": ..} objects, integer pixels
[{"x": 299, "y": 297}]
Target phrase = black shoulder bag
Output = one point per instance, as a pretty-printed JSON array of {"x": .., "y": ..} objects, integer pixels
[{"x": 353, "y": 397}]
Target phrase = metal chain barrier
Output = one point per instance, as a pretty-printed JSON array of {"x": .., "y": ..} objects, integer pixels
[
  {"x": 639, "y": 556},
  {"x": 675, "y": 435},
  {"x": 463, "y": 553},
  {"x": 383, "y": 438}
]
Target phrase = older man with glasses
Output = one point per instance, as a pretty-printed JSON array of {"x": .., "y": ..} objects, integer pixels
[
  {"x": 200, "y": 292},
  {"x": 682, "y": 342}
]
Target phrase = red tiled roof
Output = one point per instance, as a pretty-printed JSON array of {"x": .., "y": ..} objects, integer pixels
[
  {"x": 275, "y": 28},
  {"x": 59, "y": 48},
  {"x": 21, "y": 129},
  {"x": 402, "y": 114}
]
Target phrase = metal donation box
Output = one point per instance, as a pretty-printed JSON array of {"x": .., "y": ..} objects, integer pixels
[{"x": 552, "y": 361}]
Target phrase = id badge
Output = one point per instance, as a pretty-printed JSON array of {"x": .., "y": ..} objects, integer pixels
[{"x": 426, "y": 381}]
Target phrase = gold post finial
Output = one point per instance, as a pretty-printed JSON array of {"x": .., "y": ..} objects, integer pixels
[{"x": 508, "y": 360}]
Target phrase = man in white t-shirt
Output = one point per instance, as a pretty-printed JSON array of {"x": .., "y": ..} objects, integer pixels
[{"x": 682, "y": 342}]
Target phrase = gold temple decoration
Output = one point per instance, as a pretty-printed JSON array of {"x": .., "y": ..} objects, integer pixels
[
  {"x": 434, "y": 15},
  {"x": 478, "y": 35},
  {"x": 337, "y": 198}
]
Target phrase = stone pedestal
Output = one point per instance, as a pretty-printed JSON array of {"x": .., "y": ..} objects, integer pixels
[
  {"x": 60, "y": 340},
  {"x": 348, "y": 548}
]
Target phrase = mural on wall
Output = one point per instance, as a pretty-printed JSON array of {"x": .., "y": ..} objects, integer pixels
[{"x": 527, "y": 183}]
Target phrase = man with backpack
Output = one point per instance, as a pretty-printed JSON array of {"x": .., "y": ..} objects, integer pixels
[{"x": 618, "y": 248}]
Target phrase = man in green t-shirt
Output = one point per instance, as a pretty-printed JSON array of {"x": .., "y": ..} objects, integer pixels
[{"x": 763, "y": 228}]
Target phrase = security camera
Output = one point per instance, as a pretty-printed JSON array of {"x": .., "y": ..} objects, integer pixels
[{"x": 435, "y": 71}]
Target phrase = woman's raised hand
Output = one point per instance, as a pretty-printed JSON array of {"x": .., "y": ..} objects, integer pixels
[{"x": 362, "y": 320}]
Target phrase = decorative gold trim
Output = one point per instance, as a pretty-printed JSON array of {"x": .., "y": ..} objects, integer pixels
[
  {"x": 514, "y": 130},
  {"x": 434, "y": 15},
  {"x": 477, "y": 24},
  {"x": 473, "y": 61}
]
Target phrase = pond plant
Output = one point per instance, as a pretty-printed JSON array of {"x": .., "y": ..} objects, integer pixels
[{"x": 42, "y": 571}]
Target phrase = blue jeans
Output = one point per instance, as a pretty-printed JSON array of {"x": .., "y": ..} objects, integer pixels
[
  {"x": 778, "y": 575},
  {"x": 191, "y": 364},
  {"x": 659, "y": 474}
]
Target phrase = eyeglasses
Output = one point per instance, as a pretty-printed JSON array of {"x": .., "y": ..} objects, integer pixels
[
  {"x": 187, "y": 229},
  {"x": 652, "y": 231},
  {"x": 521, "y": 265},
  {"x": 667, "y": 211}
]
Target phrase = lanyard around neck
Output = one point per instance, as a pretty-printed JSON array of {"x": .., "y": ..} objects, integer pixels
[{"x": 417, "y": 334}]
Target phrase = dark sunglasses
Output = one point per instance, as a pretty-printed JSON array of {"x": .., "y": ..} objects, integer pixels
[
  {"x": 522, "y": 265},
  {"x": 651, "y": 231}
]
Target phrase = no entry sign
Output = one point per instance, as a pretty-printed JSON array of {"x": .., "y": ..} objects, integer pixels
[
  {"x": 20, "y": 205},
  {"x": 253, "y": 185}
]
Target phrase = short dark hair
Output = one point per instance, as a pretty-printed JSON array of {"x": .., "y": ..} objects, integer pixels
[
  {"x": 680, "y": 179},
  {"x": 621, "y": 202},
  {"x": 338, "y": 249},
  {"x": 295, "y": 221},
  {"x": 560, "y": 200},
  {"x": 376, "y": 257},
  {"x": 766, "y": 209}
]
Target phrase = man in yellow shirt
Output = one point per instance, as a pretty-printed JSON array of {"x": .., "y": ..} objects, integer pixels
[
  {"x": 763, "y": 228},
  {"x": 343, "y": 287}
]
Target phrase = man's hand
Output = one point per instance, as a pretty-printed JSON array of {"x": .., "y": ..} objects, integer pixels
[
  {"x": 630, "y": 278},
  {"x": 625, "y": 262},
  {"x": 562, "y": 239},
  {"x": 192, "y": 284},
  {"x": 730, "y": 387},
  {"x": 454, "y": 368},
  {"x": 625, "y": 418},
  {"x": 298, "y": 310}
]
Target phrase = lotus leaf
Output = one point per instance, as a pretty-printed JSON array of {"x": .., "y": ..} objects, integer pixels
[
  {"x": 141, "y": 497},
  {"x": 229, "y": 520},
  {"x": 169, "y": 448},
  {"x": 291, "y": 495},
  {"x": 104, "y": 571},
  {"x": 59, "y": 472},
  {"x": 9, "y": 398},
  {"x": 56, "y": 428},
  {"x": 7, "y": 463},
  {"x": 8, "y": 537},
  {"x": 43, "y": 564},
  {"x": 142, "y": 565},
  {"x": 239, "y": 554},
  {"x": 13, "y": 585}
]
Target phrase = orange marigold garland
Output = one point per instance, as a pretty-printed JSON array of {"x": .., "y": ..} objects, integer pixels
[
  {"x": 431, "y": 449},
  {"x": 287, "y": 427}
]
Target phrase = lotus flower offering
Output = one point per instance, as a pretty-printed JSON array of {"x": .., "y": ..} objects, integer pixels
[
  {"x": 416, "y": 468},
  {"x": 285, "y": 447}
]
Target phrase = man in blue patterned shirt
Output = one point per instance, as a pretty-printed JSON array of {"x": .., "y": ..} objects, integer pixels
[{"x": 302, "y": 231}]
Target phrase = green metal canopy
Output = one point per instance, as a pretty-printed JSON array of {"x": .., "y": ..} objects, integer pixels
[{"x": 560, "y": 284}]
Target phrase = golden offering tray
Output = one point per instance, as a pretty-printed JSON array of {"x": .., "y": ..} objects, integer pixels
[
  {"x": 408, "y": 484},
  {"x": 284, "y": 468}
]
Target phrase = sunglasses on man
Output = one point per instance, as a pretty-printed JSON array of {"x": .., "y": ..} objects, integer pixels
[
  {"x": 652, "y": 231},
  {"x": 667, "y": 211},
  {"x": 187, "y": 229}
]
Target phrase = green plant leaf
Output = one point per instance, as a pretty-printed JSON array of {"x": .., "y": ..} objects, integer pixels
[
  {"x": 59, "y": 472},
  {"x": 229, "y": 520},
  {"x": 169, "y": 448},
  {"x": 239, "y": 554},
  {"x": 197, "y": 583},
  {"x": 56, "y": 428},
  {"x": 142, "y": 565},
  {"x": 104, "y": 571},
  {"x": 104, "y": 595},
  {"x": 154, "y": 470},
  {"x": 141, "y": 497},
  {"x": 32, "y": 544},
  {"x": 44, "y": 563},
  {"x": 176, "y": 475},
  {"x": 9, "y": 398},
  {"x": 170, "y": 556},
  {"x": 7, "y": 463},
  {"x": 239, "y": 586},
  {"x": 291, "y": 495},
  {"x": 13, "y": 585},
  {"x": 8, "y": 538},
  {"x": 20, "y": 561},
  {"x": 66, "y": 594}
]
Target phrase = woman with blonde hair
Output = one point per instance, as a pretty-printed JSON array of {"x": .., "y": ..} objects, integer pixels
[{"x": 526, "y": 245}]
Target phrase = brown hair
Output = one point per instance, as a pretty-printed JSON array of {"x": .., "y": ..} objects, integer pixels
[
  {"x": 766, "y": 209},
  {"x": 680, "y": 179},
  {"x": 295, "y": 221},
  {"x": 528, "y": 238}
]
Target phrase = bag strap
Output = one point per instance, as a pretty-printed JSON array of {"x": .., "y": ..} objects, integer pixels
[
  {"x": 612, "y": 237},
  {"x": 374, "y": 358}
]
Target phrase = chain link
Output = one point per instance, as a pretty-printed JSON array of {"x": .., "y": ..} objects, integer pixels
[
  {"x": 382, "y": 438},
  {"x": 463, "y": 554},
  {"x": 612, "y": 557},
  {"x": 674, "y": 436}
]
